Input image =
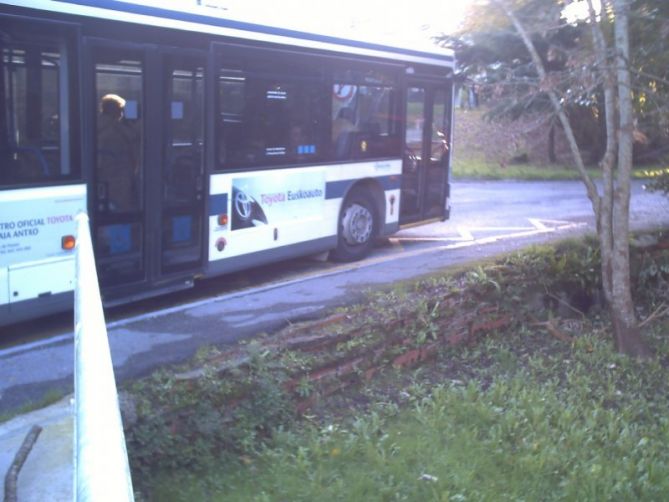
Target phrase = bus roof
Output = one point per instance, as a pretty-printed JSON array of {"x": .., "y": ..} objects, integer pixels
[{"x": 209, "y": 20}]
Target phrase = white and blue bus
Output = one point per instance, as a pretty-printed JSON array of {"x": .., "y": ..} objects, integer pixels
[{"x": 200, "y": 146}]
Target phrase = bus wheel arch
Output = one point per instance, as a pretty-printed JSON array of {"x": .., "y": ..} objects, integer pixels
[{"x": 359, "y": 221}]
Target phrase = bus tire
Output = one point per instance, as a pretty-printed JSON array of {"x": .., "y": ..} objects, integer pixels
[{"x": 357, "y": 228}]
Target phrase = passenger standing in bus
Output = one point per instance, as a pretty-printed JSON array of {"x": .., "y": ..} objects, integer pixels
[
  {"x": 117, "y": 154},
  {"x": 297, "y": 141},
  {"x": 342, "y": 128}
]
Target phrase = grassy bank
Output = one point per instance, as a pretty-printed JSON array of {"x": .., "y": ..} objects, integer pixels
[
  {"x": 577, "y": 423},
  {"x": 472, "y": 168},
  {"x": 538, "y": 407},
  {"x": 495, "y": 150},
  {"x": 469, "y": 168}
]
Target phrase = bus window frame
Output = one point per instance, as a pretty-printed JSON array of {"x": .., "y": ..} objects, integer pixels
[
  {"x": 65, "y": 36},
  {"x": 244, "y": 58},
  {"x": 235, "y": 56}
]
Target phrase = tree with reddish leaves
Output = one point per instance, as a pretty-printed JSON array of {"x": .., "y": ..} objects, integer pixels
[{"x": 606, "y": 58}]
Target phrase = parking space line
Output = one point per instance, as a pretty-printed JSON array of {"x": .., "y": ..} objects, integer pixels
[{"x": 466, "y": 234}]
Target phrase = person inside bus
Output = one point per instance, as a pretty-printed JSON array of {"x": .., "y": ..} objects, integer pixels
[
  {"x": 297, "y": 141},
  {"x": 117, "y": 155},
  {"x": 342, "y": 128}
]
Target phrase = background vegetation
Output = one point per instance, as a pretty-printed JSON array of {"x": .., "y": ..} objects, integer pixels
[{"x": 495, "y": 65}]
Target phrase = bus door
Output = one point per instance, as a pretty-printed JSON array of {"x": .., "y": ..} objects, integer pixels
[
  {"x": 181, "y": 244},
  {"x": 425, "y": 176},
  {"x": 147, "y": 157}
]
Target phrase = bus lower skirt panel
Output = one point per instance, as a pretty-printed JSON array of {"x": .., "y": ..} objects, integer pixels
[
  {"x": 36, "y": 307},
  {"x": 234, "y": 264}
]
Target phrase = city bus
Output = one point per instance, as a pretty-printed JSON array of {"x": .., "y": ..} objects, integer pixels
[{"x": 200, "y": 145}]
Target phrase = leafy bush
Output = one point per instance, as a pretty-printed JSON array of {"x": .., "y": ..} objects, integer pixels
[
  {"x": 659, "y": 181},
  {"x": 564, "y": 423},
  {"x": 196, "y": 421}
]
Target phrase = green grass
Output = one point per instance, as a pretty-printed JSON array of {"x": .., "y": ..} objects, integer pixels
[
  {"x": 467, "y": 168},
  {"x": 556, "y": 423},
  {"x": 50, "y": 397},
  {"x": 470, "y": 168}
]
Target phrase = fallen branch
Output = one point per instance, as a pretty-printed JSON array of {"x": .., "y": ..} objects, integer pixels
[
  {"x": 659, "y": 312},
  {"x": 566, "y": 304},
  {"x": 553, "y": 330},
  {"x": 12, "y": 476}
]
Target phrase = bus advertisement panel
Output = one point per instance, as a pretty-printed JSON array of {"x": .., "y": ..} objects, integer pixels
[
  {"x": 37, "y": 229},
  {"x": 275, "y": 198},
  {"x": 257, "y": 211}
]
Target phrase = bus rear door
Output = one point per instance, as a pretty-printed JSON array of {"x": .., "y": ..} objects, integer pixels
[{"x": 425, "y": 168}]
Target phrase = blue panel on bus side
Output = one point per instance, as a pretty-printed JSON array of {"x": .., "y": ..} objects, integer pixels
[
  {"x": 218, "y": 204},
  {"x": 337, "y": 189},
  {"x": 306, "y": 149},
  {"x": 118, "y": 238},
  {"x": 182, "y": 229}
]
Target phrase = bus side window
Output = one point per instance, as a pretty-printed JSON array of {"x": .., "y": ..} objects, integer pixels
[
  {"x": 30, "y": 139},
  {"x": 363, "y": 123},
  {"x": 230, "y": 126},
  {"x": 270, "y": 115}
]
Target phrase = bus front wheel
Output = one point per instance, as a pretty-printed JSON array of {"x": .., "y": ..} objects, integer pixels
[{"x": 358, "y": 226}]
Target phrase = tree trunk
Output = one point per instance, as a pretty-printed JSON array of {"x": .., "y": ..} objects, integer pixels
[
  {"x": 605, "y": 216},
  {"x": 628, "y": 335},
  {"x": 590, "y": 186},
  {"x": 612, "y": 207},
  {"x": 552, "y": 158}
]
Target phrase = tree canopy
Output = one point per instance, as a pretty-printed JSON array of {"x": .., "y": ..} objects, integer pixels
[{"x": 491, "y": 54}]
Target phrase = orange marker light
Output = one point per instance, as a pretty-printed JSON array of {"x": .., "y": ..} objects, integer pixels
[
  {"x": 222, "y": 219},
  {"x": 67, "y": 242}
]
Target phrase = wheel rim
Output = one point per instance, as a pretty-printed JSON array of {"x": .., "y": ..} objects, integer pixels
[{"x": 358, "y": 224}]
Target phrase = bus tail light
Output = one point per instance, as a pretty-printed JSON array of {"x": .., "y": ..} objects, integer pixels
[
  {"x": 67, "y": 242},
  {"x": 222, "y": 220}
]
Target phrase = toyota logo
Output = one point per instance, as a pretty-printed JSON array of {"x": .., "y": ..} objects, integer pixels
[{"x": 243, "y": 205}]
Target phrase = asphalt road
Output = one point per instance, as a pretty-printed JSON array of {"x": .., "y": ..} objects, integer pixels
[{"x": 488, "y": 218}]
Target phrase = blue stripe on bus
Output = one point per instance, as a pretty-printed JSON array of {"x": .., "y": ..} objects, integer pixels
[
  {"x": 337, "y": 189},
  {"x": 147, "y": 10},
  {"x": 392, "y": 182},
  {"x": 218, "y": 204}
]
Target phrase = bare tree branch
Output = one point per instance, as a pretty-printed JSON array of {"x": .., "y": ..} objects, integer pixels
[{"x": 591, "y": 188}]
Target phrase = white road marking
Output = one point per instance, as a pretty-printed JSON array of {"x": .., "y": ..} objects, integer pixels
[{"x": 466, "y": 234}]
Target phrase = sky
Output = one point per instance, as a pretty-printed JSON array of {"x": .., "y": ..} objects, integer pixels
[{"x": 397, "y": 22}]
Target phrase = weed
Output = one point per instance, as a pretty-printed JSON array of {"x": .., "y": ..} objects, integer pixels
[
  {"x": 195, "y": 422},
  {"x": 304, "y": 387},
  {"x": 424, "y": 326},
  {"x": 50, "y": 397},
  {"x": 480, "y": 280}
]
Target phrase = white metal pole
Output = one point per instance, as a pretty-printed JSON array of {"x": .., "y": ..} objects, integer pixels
[{"x": 101, "y": 469}]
